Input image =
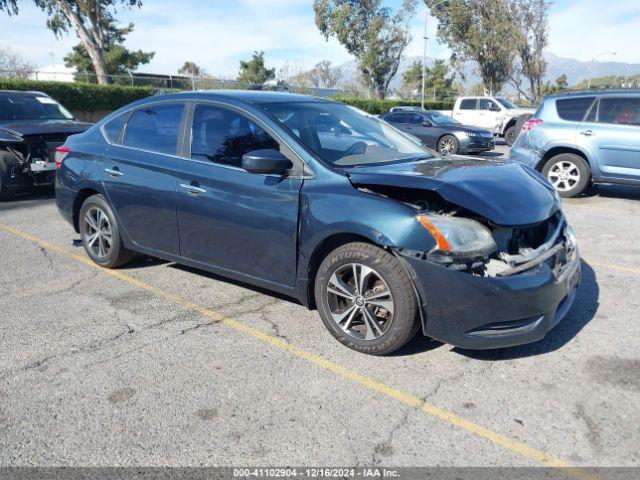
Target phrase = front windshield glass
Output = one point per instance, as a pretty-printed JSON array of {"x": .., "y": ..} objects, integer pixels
[
  {"x": 440, "y": 119},
  {"x": 506, "y": 103},
  {"x": 31, "y": 107},
  {"x": 345, "y": 136}
]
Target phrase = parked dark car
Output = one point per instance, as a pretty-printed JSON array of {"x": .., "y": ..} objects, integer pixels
[
  {"x": 32, "y": 125},
  {"x": 440, "y": 132},
  {"x": 325, "y": 203}
]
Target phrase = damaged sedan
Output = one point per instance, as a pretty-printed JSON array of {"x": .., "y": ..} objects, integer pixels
[
  {"x": 32, "y": 126},
  {"x": 324, "y": 203}
]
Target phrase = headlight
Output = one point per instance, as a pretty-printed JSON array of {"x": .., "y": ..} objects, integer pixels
[{"x": 459, "y": 237}]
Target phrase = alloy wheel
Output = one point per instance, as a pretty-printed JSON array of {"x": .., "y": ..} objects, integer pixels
[
  {"x": 564, "y": 175},
  {"x": 98, "y": 232},
  {"x": 360, "y": 301},
  {"x": 447, "y": 146}
]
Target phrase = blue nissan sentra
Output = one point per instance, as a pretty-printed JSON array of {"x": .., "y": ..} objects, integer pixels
[{"x": 327, "y": 204}]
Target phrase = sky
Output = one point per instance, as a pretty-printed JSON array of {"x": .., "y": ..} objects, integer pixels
[{"x": 216, "y": 34}]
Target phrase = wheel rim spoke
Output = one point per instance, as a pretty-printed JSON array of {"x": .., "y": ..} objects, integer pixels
[
  {"x": 340, "y": 288},
  {"x": 98, "y": 236},
  {"x": 340, "y": 317},
  {"x": 373, "y": 329}
]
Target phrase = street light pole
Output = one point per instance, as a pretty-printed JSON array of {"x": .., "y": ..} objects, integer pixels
[
  {"x": 592, "y": 65},
  {"x": 424, "y": 57},
  {"x": 424, "y": 51}
]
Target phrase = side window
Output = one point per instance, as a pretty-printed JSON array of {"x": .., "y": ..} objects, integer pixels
[
  {"x": 468, "y": 104},
  {"x": 113, "y": 128},
  {"x": 396, "y": 118},
  {"x": 487, "y": 104},
  {"x": 573, "y": 109},
  {"x": 416, "y": 119},
  {"x": 619, "y": 111},
  {"x": 224, "y": 136},
  {"x": 155, "y": 128}
]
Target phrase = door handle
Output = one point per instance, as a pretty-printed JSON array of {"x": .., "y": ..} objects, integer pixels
[
  {"x": 192, "y": 189},
  {"x": 114, "y": 172},
  {"x": 587, "y": 133}
]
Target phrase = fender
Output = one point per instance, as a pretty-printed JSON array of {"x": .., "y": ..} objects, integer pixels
[{"x": 584, "y": 150}]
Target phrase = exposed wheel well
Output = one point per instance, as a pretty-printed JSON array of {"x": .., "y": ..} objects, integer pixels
[
  {"x": 77, "y": 205},
  {"x": 557, "y": 151},
  {"x": 321, "y": 251}
]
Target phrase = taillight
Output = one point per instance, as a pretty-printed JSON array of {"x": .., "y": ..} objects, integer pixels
[
  {"x": 531, "y": 124},
  {"x": 61, "y": 153}
]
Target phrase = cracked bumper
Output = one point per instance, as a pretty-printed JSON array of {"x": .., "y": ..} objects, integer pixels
[{"x": 478, "y": 313}]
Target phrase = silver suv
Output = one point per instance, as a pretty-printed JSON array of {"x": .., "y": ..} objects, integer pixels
[{"x": 580, "y": 138}]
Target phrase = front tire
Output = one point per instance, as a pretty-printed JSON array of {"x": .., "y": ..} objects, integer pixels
[
  {"x": 5, "y": 192},
  {"x": 100, "y": 233},
  {"x": 568, "y": 173},
  {"x": 366, "y": 299},
  {"x": 448, "y": 145}
]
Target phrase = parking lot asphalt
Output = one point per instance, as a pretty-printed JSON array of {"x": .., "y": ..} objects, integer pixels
[{"x": 158, "y": 364}]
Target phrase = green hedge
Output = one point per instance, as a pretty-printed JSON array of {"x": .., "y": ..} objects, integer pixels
[
  {"x": 377, "y": 107},
  {"x": 82, "y": 97}
]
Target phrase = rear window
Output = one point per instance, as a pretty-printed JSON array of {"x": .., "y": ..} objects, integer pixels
[
  {"x": 573, "y": 109},
  {"x": 155, "y": 128},
  {"x": 469, "y": 104},
  {"x": 113, "y": 128}
]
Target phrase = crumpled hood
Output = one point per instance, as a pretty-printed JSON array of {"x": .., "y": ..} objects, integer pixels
[
  {"x": 23, "y": 128},
  {"x": 505, "y": 193}
]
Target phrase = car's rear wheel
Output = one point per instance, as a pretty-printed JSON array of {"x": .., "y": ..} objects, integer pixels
[
  {"x": 366, "y": 300},
  {"x": 510, "y": 135},
  {"x": 568, "y": 173},
  {"x": 448, "y": 145},
  {"x": 100, "y": 233}
]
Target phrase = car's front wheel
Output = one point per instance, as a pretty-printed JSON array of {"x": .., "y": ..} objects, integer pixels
[
  {"x": 568, "y": 173},
  {"x": 448, "y": 145},
  {"x": 366, "y": 299},
  {"x": 100, "y": 233}
]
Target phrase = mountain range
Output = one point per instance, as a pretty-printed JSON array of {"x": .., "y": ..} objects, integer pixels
[{"x": 575, "y": 70}]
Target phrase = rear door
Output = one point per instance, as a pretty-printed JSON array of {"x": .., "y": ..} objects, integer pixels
[
  {"x": 231, "y": 219},
  {"x": 138, "y": 175},
  {"x": 467, "y": 112},
  {"x": 612, "y": 133}
]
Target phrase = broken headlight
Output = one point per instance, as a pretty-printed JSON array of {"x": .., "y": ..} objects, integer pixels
[{"x": 458, "y": 237}]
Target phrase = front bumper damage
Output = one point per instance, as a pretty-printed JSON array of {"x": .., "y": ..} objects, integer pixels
[{"x": 517, "y": 305}]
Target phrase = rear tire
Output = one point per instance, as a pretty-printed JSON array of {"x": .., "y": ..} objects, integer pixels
[
  {"x": 366, "y": 299},
  {"x": 448, "y": 145},
  {"x": 568, "y": 173},
  {"x": 510, "y": 135},
  {"x": 100, "y": 233}
]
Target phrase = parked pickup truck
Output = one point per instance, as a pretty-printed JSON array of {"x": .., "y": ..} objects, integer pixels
[{"x": 492, "y": 113}]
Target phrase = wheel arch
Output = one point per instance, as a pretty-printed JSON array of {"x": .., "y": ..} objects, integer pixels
[
  {"x": 82, "y": 195},
  {"x": 320, "y": 252},
  {"x": 553, "y": 151}
]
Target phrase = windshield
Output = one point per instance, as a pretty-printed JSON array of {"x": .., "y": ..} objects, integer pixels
[
  {"x": 440, "y": 119},
  {"x": 31, "y": 107},
  {"x": 506, "y": 103},
  {"x": 345, "y": 136}
]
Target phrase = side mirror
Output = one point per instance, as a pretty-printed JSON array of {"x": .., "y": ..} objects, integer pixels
[
  {"x": 427, "y": 123},
  {"x": 266, "y": 161}
]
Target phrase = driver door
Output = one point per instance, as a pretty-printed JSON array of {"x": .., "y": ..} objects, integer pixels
[
  {"x": 239, "y": 222},
  {"x": 489, "y": 114}
]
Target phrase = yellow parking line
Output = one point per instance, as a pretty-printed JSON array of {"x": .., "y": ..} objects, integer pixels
[
  {"x": 409, "y": 400},
  {"x": 620, "y": 268}
]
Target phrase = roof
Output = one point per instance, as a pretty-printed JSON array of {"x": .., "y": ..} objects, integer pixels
[
  {"x": 247, "y": 96},
  {"x": 23, "y": 92},
  {"x": 602, "y": 91}
]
